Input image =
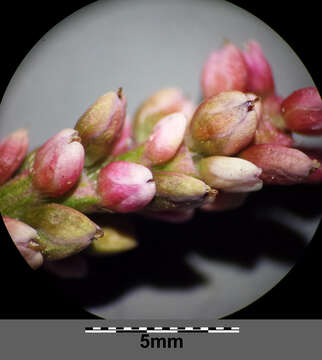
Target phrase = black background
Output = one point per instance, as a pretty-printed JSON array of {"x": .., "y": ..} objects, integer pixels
[{"x": 27, "y": 294}]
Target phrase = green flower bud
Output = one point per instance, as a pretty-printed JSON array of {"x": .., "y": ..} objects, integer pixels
[
  {"x": 119, "y": 236},
  {"x": 178, "y": 191},
  {"x": 100, "y": 126},
  {"x": 62, "y": 231}
]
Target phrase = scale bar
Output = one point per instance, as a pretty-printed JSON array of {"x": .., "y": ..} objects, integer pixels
[{"x": 162, "y": 330}]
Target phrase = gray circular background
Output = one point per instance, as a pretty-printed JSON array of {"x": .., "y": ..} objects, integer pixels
[{"x": 144, "y": 46}]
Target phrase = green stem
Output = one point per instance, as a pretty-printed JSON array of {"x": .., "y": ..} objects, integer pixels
[
  {"x": 84, "y": 197},
  {"x": 134, "y": 155},
  {"x": 17, "y": 195}
]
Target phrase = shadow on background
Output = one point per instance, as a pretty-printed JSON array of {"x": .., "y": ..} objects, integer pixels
[{"x": 239, "y": 237}]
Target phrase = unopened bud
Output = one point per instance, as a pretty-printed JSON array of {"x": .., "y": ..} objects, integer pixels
[
  {"x": 165, "y": 140},
  {"x": 24, "y": 238},
  {"x": 119, "y": 235},
  {"x": 58, "y": 163},
  {"x": 223, "y": 124},
  {"x": 178, "y": 191},
  {"x": 280, "y": 165},
  {"x": 162, "y": 145},
  {"x": 224, "y": 70},
  {"x": 260, "y": 76},
  {"x": 156, "y": 107},
  {"x": 62, "y": 231},
  {"x": 13, "y": 150},
  {"x": 113, "y": 241},
  {"x": 100, "y": 126},
  {"x": 230, "y": 174},
  {"x": 302, "y": 111},
  {"x": 125, "y": 187},
  {"x": 315, "y": 177}
]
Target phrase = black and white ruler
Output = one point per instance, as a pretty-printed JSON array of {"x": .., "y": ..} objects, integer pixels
[{"x": 162, "y": 330}]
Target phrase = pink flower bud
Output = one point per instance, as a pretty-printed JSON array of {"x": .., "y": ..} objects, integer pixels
[
  {"x": 23, "y": 236},
  {"x": 13, "y": 150},
  {"x": 124, "y": 142},
  {"x": 260, "y": 76},
  {"x": 281, "y": 165},
  {"x": 267, "y": 133},
  {"x": 125, "y": 187},
  {"x": 100, "y": 126},
  {"x": 315, "y": 177},
  {"x": 230, "y": 174},
  {"x": 224, "y": 70},
  {"x": 166, "y": 138},
  {"x": 223, "y": 124},
  {"x": 302, "y": 111},
  {"x": 58, "y": 163},
  {"x": 225, "y": 201},
  {"x": 162, "y": 103}
]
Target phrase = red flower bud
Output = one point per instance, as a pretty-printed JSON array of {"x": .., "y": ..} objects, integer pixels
[
  {"x": 13, "y": 150},
  {"x": 280, "y": 165},
  {"x": 315, "y": 177},
  {"x": 125, "y": 186},
  {"x": 58, "y": 163},
  {"x": 224, "y": 70},
  {"x": 260, "y": 76},
  {"x": 302, "y": 111}
]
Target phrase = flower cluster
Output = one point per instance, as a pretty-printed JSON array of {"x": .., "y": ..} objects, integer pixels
[{"x": 174, "y": 157}]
